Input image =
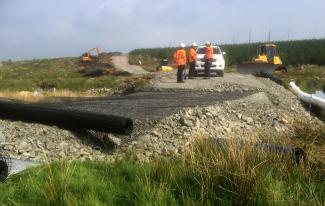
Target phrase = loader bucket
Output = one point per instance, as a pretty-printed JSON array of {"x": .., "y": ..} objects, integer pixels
[{"x": 255, "y": 68}]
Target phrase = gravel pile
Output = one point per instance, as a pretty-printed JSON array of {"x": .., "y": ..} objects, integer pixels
[
  {"x": 240, "y": 119},
  {"x": 45, "y": 143}
]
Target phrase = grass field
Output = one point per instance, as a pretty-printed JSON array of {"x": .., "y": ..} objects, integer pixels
[
  {"x": 309, "y": 78},
  {"x": 59, "y": 77},
  {"x": 205, "y": 175}
]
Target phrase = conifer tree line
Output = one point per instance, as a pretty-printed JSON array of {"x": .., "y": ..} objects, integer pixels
[{"x": 291, "y": 52}]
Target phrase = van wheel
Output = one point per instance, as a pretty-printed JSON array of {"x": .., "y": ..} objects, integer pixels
[{"x": 221, "y": 73}]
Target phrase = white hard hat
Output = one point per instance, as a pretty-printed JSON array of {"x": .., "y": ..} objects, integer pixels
[
  {"x": 183, "y": 45},
  {"x": 208, "y": 43},
  {"x": 194, "y": 44}
]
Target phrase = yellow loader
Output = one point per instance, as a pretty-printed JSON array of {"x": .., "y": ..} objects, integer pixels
[{"x": 267, "y": 61}]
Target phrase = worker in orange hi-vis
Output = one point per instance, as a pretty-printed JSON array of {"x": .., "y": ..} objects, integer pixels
[
  {"x": 192, "y": 59},
  {"x": 208, "y": 60},
  {"x": 181, "y": 60}
]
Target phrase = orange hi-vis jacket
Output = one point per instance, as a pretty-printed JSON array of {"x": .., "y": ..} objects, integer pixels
[
  {"x": 180, "y": 57},
  {"x": 192, "y": 56},
  {"x": 209, "y": 52}
]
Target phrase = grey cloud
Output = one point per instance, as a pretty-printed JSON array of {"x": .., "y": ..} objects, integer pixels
[{"x": 38, "y": 28}]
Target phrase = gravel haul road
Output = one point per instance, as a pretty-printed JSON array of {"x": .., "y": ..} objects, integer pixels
[{"x": 122, "y": 63}]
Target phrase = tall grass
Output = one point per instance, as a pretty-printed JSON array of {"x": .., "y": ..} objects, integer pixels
[
  {"x": 312, "y": 139},
  {"x": 227, "y": 173},
  {"x": 36, "y": 97}
]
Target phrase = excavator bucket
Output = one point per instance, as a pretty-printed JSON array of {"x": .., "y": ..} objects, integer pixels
[{"x": 255, "y": 68}]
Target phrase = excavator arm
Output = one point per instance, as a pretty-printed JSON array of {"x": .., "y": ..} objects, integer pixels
[{"x": 87, "y": 57}]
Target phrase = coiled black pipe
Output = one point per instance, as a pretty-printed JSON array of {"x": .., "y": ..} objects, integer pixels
[{"x": 50, "y": 115}]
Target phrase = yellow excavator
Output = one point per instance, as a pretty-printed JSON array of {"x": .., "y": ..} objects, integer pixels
[
  {"x": 267, "y": 61},
  {"x": 88, "y": 57}
]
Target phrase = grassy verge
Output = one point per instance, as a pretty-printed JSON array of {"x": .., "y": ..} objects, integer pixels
[
  {"x": 206, "y": 175},
  {"x": 308, "y": 78}
]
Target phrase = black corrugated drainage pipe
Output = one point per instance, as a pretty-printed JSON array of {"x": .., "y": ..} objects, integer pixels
[
  {"x": 50, "y": 115},
  {"x": 296, "y": 152},
  {"x": 271, "y": 77},
  {"x": 10, "y": 166},
  {"x": 4, "y": 170}
]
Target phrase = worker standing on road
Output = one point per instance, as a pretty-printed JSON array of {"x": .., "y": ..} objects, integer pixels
[
  {"x": 192, "y": 60},
  {"x": 208, "y": 60},
  {"x": 181, "y": 60}
]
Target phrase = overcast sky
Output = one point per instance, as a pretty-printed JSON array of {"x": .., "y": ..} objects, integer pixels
[{"x": 56, "y": 28}]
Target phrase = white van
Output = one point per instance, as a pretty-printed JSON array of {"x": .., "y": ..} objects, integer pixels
[{"x": 218, "y": 63}]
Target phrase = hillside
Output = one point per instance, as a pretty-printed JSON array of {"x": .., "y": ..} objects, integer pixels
[{"x": 37, "y": 79}]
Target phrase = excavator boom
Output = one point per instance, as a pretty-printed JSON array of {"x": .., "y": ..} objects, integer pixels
[{"x": 87, "y": 57}]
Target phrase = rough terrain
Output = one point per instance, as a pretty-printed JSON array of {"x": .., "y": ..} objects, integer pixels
[{"x": 167, "y": 115}]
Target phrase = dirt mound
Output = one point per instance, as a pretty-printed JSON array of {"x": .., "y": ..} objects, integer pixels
[
  {"x": 105, "y": 58},
  {"x": 99, "y": 66}
]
